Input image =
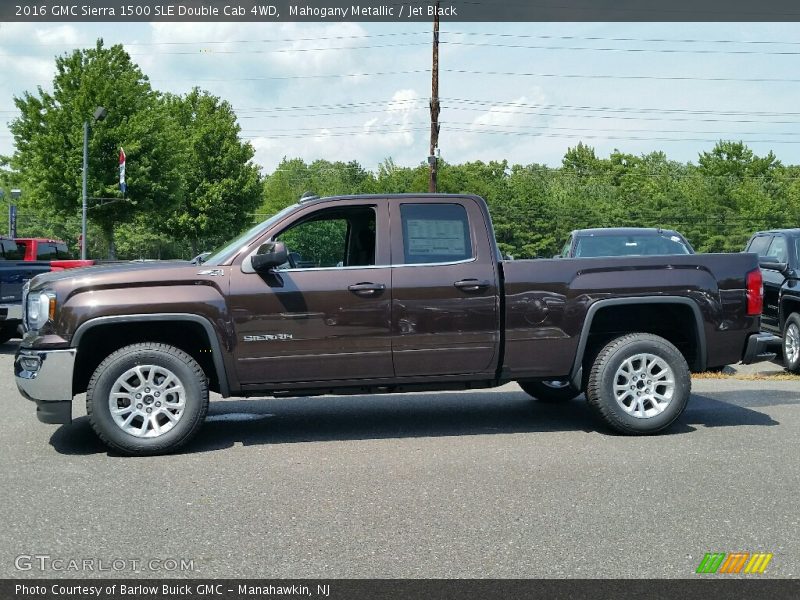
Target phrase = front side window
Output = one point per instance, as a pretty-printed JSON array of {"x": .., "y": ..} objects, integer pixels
[
  {"x": 330, "y": 238},
  {"x": 779, "y": 249},
  {"x": 435, "y": 233}
]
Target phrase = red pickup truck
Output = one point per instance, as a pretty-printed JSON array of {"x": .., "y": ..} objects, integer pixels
[{"x": 54, "y": 251}]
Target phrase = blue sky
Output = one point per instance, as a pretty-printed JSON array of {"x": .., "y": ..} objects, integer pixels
[{"x": 268, "y": 70}]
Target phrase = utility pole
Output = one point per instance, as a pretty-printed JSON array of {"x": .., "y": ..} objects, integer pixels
[{"x": 434, "y": 102}]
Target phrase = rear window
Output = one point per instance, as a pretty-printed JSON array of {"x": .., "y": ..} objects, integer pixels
[
  {"x": 52, "y": 251},
  {"x": 629, "y": 245}
]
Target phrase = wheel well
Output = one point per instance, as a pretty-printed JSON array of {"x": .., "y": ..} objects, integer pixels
[
  {"x": 791, "y": 305},
  {"x": 672, "y": 321},
  {"x": 100, "y": 341}
]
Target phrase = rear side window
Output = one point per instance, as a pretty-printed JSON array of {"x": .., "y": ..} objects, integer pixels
[
  {"x": 435, "y": 233},
  {"x": 760, "y": 244}
]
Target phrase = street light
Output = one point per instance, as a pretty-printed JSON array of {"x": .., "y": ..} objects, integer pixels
[{"x": 100, "y": 113}]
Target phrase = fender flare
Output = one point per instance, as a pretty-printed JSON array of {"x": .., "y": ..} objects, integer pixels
[
  {"x": 576, "y": 374},
  {"x": 213, "y": 340}
]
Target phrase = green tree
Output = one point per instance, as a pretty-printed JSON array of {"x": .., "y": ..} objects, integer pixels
[
  {"x": 48, "y": 137},
  {"x": 221, "y": 185}
]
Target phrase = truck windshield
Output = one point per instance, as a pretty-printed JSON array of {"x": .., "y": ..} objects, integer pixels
[
  {"x": 629, "y": 245},
  {"x": 229, "y": 250}
]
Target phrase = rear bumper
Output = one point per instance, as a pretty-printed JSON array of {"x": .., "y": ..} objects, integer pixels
[
  {"x": 10, "y": 312},
  {"x": 45, "y": 376},
  {"x": 757, "y": 349}
]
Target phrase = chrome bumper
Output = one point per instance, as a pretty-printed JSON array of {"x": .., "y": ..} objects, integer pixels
[
  {"x": 45, "y": 376},
  {"x": 13, "y": 311}
]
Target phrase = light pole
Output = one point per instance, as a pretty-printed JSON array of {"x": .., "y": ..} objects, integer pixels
[
  {"x": 99, "y": 114},
  {"x": 12, "y": 213}
]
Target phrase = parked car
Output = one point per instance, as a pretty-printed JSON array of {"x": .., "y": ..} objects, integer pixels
[
  {"x": 779, "y": 256},
  {"x": 424, "y": 304},
  {"x": 624, "y": 241},
  {"x": 14, "y": 273},
  {"x": 54, "y": 251}
]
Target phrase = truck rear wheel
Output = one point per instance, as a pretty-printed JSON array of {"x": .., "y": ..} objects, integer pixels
[
  {"x": 557, "y": 390},
  {"x": 791, "y": 343},
  {"x": 639, "y": 384},
  {"x": 147, "y": 399}
]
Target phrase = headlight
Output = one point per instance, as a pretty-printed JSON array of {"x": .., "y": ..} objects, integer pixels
[{"x": 41, "y": 308}]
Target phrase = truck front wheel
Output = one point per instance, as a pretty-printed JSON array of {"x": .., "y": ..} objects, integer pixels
[
  {"x": 639, "y": 384},
  {"x": 558, "y": 390},
  {"x": 147, "y": 399}
]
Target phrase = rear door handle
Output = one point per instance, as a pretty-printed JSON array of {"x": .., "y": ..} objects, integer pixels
[
  {"x": 471, "y": 285},
  {"x": 366, "y": 288}
]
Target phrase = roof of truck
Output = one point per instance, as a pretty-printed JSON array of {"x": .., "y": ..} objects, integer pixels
[{"x": 601, "y": 231}]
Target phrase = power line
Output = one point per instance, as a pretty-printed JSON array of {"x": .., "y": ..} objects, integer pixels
[
  {"x": 250, "y": 41},
  {"x": 631, "y": 50},
  {"x": 623, "y": 39},
  {"x": 631, "y": 77}
]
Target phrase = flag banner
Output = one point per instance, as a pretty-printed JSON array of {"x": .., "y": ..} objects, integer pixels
[{"x": 122, "y": 185}]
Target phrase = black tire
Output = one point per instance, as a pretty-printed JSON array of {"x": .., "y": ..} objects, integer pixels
[
  {"x": 6, "y": 333},
  {"x": 161, "y": 356},
  {"x": 791, "y": 359},
  {"x": 608, "y": 367},
  {"x": 545, "y": 391}
]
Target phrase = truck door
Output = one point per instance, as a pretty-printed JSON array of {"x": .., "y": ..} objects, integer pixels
[
  {"x": 445, "y": 298},
  {"x": 325, "y": 315},
  {"x": 773, "y": 281}
]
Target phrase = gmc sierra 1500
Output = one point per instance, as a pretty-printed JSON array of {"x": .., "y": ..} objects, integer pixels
[{"x": 368, "y": 294}]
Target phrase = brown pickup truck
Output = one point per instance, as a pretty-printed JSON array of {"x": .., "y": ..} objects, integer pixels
[{"x": 368, "y": 294}]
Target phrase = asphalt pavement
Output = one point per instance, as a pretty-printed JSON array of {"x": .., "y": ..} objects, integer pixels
[{"x": 438, "y": 485}]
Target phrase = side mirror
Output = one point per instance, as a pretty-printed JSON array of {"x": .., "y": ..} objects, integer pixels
[
  {"x": 269, "y": 256},
  {"x": 769, "y": 262}
]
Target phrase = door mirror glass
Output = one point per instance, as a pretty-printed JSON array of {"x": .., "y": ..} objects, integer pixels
[{"x": 269, "y": 256}]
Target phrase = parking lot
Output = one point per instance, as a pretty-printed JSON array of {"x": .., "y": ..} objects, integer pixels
[{"x": 479, "y": 484}]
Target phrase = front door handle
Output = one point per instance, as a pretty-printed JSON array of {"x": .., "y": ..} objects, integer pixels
[
  {"x": 366, "y": 288},
  {"x": 472, "y": 285}
]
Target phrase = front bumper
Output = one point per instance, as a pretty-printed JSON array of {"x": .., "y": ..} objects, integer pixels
[
  {"x": 10, "y": 312},
  {"x": 757, "y": 349},
  {"x": 45, "y": 376}
]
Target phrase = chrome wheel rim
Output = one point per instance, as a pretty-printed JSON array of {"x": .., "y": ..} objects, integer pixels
[
  {"x": 644, "y": 385},
  {"x": 147, "y": 401},
  {"x": 556, "y": 384},
  {"x": 791, "y": 343}
]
